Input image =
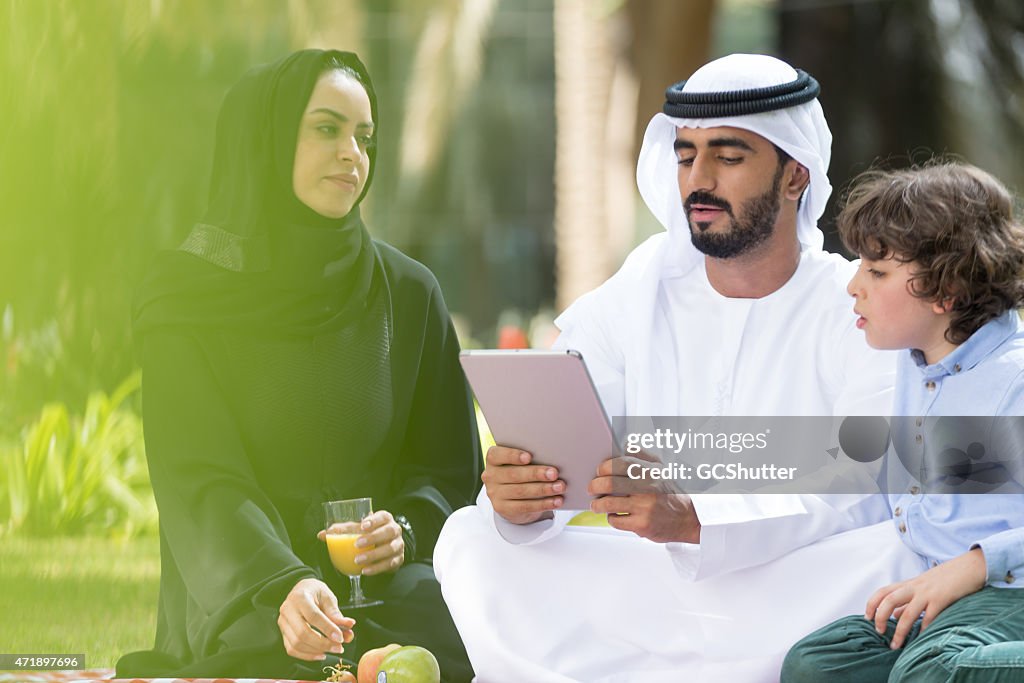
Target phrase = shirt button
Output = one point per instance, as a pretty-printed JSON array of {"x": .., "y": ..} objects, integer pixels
[
  {"x": 918, "y": 438},
  {"x": 903, "y": 527},
  {"x": 929, "y": 385},
  {"x": 935, "y": 563},
  {"x": 956, "y": 368},
  {"x": 1009, "y": 578},
  {"x": 918, "y": 422},
  {"x": 898, "y": 511},
  {"x": 914, "y": 490}
]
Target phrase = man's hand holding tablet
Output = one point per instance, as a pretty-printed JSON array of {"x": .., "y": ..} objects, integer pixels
[
  {"x": 551, "y": 429},
  {"x": 648, "y": 510},
  {"x": 520, "y": 491}
]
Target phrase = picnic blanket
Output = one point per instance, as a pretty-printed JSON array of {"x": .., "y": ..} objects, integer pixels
[{"x": 107, "y": 676}]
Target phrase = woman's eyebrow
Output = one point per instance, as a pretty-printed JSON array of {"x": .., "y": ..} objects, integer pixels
[{"x": 341, "y": 117}]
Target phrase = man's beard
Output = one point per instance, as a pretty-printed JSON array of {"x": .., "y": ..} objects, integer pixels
[{"x": 757, "y": 225}]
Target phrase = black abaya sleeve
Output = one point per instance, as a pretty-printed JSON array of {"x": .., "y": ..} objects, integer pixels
[
  {"x": 227, "y": 541},
  {"x": 439, "y": 470}
]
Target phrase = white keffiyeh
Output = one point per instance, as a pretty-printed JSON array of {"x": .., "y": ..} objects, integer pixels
[{"x": 632, "y": 293}]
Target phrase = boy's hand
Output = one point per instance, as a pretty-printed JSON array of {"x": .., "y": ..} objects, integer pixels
[{"x": 931, "y": 592}]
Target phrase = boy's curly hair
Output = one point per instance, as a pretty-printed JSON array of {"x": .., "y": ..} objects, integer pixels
[{"x": 956, "y": 224}]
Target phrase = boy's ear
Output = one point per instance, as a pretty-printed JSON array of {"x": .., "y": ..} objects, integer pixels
[
  {"x": 798, "y": 181},
  {"x": 943, "y": 306}
]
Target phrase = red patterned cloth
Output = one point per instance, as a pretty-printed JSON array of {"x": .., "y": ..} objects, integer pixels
[
  {"x": 107, "y": 676},
  {"x": 56, "y": 676}
]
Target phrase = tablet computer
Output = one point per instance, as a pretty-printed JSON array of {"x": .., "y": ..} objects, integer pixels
[{"x": 545, "y": 403}]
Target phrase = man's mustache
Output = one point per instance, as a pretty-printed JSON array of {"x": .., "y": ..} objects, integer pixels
[{"x": 707, "y": 199}]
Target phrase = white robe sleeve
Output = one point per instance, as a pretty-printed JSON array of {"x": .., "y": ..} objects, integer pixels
[
  {"x": 523, "y": 534},
  {"x": 741, "y": 531}
]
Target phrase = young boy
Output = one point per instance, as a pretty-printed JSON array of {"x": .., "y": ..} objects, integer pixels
[{"x": 941, "y": 275}]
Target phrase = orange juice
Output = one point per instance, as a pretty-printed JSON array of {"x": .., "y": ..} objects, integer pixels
[{"x": 343, "y": 551}]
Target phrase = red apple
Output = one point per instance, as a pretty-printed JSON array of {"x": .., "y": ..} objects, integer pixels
[{"x": 370, "y": 662}]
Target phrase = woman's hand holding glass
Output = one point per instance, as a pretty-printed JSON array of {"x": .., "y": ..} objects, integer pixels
[{"x": 380, "y": 547}]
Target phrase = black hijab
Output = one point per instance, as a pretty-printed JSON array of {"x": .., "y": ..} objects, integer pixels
[{"x": 260, "y": 258}]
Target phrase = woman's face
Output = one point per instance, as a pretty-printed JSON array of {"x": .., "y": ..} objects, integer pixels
[{"x": 331, "y": 160}]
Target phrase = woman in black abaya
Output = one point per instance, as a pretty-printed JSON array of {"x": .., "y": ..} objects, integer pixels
[{"x": 289, "y": 359}]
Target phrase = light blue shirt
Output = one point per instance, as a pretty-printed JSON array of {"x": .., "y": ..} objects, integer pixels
[{"x": 984, "y": 376}]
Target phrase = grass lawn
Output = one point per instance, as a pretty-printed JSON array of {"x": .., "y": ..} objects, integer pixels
[{"x": 79, "y": 595}]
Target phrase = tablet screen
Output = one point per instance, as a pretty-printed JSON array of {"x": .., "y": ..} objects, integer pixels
[{"x": 544, "y": 402}]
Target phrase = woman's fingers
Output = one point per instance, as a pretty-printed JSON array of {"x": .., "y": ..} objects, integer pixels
[
  {"x": 300, "y": 640},
  {"x": 381, "y": 547},
  {"x": 381, "y": 551},
  {"x": 311, "y": 623},
  {"x": 383, "y": 558},
  {"x": 377, "y": 519},
  {"x": 386, "y": 565},
  {"x": 321, "y": 632},
  {"x": 380, "y": 535}
]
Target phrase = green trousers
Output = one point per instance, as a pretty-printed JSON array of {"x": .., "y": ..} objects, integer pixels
[{"x": 977, "y": 638}]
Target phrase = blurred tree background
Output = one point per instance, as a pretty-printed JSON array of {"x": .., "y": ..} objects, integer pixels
[{"x": 509, "y": 132}]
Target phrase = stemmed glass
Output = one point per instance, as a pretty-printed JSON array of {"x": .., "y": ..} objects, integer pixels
[{"x": 343, "y": 523}]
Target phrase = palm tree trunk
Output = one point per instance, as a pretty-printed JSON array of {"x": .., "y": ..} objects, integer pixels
[
  {"x": 585, "y": 63},
  {"x": 606, "y": 64}
]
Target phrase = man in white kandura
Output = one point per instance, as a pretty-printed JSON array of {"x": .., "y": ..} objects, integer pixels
[{"x": 734, "y": 310}]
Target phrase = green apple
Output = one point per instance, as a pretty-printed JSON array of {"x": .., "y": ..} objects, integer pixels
[{"x": 409, "y": 664}]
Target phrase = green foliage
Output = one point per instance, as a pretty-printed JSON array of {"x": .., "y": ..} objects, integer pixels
[
  {"x": 37, "y": 368},
  {"x": 97, "y": 596},
  {"x": 108, "y": 111},
  {"x": 74, "y": 474}
]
